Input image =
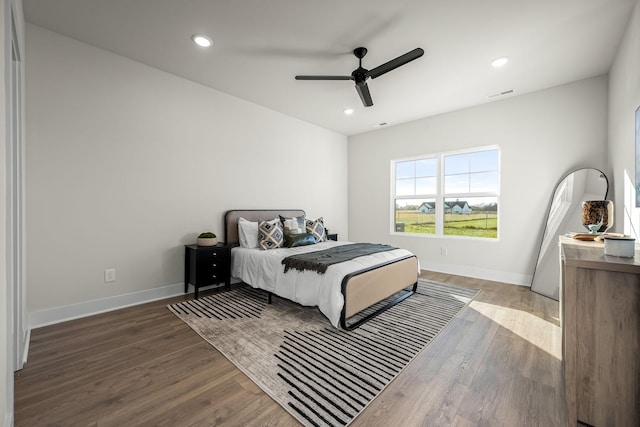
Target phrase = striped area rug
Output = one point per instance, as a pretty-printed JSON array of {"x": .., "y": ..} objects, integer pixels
[{"x": 322, "y": 375}]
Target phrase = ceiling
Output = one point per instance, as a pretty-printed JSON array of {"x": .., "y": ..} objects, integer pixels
[{"x": 259, "y": 46}]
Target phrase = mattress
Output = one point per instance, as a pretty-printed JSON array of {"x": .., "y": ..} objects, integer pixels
[{"x": 264, "y": 270}]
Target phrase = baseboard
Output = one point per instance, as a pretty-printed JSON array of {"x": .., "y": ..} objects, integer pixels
[
  {"x": 480, "y": 273},
  {"x": 50, "y": 316},
  {"x": 25, "y": 350}
]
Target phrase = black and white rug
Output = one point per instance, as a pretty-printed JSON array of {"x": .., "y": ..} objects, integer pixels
[{"x": 322, "y": 375}]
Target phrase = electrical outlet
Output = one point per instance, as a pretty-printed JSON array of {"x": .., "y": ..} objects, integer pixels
[
  {"x": 110, "y": 275},
  {"x": 444, "y": 251}
]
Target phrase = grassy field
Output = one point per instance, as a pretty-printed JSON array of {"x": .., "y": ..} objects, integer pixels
[{"x": 482, "y": 224}]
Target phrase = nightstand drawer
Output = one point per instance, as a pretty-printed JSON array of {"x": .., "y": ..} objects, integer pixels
[{"x": 211, "y": 271}]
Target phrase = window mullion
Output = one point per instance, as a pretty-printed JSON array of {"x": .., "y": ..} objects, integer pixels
[{"x": 440, "y": 197}]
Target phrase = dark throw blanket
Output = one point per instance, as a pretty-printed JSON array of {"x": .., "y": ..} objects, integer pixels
[{"x": 319, "y": 261}]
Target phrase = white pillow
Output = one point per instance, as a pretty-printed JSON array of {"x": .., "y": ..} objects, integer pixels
[{"x": 247, "y": 233}]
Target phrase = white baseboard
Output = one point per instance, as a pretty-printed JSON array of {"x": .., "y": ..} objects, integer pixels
[
  {"x": 25, "y": 350},
  {"x": 480, "y": 273},
  {"x": 50, "y": 316}
]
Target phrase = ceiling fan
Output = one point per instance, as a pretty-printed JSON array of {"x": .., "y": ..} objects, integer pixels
[{"x": 360, "y": 75}]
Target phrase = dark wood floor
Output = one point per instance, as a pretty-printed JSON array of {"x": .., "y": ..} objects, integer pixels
[{"x": 496, "y": 364}]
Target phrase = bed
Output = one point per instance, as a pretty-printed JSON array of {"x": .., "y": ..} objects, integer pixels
[{"x": 344, "y": 290}]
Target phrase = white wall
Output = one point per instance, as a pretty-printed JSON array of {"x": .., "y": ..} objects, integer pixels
[
  {"x": 624, "y": 99},
  {"x": 542, "y": 136},
  {"x": 126, "y": 163},
  {"x": 6, "y": 347}
]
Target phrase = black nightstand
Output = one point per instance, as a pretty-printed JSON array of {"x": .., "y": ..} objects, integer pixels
[
  {"x": 332, "y": 237},
  {"x": 206, "y": 266}
]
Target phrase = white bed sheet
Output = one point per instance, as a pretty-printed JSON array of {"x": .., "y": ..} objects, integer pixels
[{"x": 264, "y": 270}]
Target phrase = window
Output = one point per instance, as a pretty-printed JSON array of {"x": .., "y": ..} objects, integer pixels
[{"x": 449, "y": 194}]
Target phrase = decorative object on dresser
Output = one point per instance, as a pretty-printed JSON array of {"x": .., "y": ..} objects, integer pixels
[
  {"x": 622, "y": 246},
  {"x": 322, "y": 375},
  {"x": 600, "y": 321},
  {"x": 207, "y": 239},
  {"x": 206, "y": 266},
  {"x": 597, "y": 215}
]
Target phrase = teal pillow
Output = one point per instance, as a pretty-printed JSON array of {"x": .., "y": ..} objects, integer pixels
[{"x": 301, "y": 239}]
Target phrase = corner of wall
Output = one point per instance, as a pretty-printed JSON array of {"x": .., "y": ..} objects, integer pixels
[{"x": 624, "y": 100}]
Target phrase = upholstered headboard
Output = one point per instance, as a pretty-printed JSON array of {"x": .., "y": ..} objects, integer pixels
[{"x": 231, "y": 219}]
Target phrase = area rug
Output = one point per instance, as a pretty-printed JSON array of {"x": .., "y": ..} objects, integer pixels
[{"x": 322, "y": 375}]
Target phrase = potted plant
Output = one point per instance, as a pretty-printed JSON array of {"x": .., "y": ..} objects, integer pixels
[{"x": 207, "y": 239}]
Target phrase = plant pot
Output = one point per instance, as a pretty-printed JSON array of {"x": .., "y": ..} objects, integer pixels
[{"x": 207, "y": 241}]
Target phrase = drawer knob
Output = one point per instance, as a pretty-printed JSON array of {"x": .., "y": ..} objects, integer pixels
[
  {"x": 215, "y": 254},
  {"x": 214, "y": 265},
  {"x": 214, "y": 276}
]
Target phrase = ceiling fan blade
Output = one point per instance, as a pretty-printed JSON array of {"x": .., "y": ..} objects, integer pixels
[
  {"x": 323, "y": 77},
  {"x": 395, "y": 63},
  {"x": 365, "y": 95}
]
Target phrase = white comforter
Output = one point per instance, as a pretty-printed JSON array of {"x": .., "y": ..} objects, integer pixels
[{"x": 264, "y": 270}]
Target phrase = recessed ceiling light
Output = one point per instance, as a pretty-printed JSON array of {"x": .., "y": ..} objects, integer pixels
[
  {"x": 499, "y": 62},
  {"x": 201, "y": 40},
  {"x": 348, "y": 111}
]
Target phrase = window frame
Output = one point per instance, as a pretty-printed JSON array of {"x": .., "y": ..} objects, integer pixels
[{"x": 440, "y": 196}]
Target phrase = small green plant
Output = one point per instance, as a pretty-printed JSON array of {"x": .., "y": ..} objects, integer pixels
[{"x": 207, "y": 235}]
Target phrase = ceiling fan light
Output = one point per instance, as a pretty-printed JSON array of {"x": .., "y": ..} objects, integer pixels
[
  {"x": 499, "y": 62},
  {"x": 201, "y": 40},
  {"x": 348, "y": 111}
]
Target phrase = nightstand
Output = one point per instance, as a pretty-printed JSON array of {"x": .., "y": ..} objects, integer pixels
[
  {"x": 206, "y": 266},
  {"x": 332, "y": 236}
]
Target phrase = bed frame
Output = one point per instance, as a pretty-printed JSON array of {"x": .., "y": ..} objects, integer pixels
[{"x": 360, "y": 289}]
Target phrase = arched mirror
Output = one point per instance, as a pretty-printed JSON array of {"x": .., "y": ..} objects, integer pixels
[{"x": 564, "y": 216}]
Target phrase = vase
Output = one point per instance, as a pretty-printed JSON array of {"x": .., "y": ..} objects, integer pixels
[
  {"x": 207, "y": 241},
  {"x": 597, "y": 215}
]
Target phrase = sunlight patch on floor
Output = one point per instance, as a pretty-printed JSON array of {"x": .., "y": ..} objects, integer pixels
[{"x": 543, "y": 334}]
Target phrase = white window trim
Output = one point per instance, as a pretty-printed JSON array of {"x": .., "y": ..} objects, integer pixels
[{"x": 440, "y": 195}]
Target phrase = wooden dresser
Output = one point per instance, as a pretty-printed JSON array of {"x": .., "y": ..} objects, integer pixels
[{"x": 600, "y": 319}]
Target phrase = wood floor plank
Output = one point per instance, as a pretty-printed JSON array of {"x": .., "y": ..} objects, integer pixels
[{"x": 496, "y": 364}]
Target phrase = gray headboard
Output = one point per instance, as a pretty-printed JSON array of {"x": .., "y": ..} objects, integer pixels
[{"x": 231, "y": 219}]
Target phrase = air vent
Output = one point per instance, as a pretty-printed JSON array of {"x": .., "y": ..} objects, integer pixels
[{"x": 506, "y": 92}]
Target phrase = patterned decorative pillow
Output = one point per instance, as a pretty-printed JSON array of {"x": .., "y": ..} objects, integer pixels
[
  {"x": 317, "y": 230},
  {"x": 270, "y": 234}
]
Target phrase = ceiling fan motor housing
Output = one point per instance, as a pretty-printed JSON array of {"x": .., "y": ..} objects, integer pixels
[{"x": 360, "y": 75}]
